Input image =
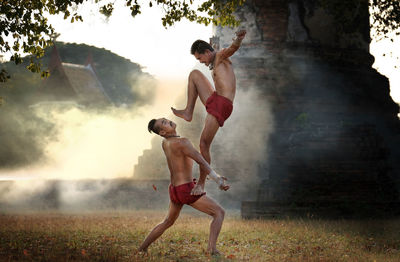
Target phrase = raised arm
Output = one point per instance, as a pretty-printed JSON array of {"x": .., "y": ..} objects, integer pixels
[{"x": 237, "y": 41}]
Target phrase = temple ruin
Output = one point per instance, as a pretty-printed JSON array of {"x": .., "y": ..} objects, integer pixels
[{"x": 334, "y": 147}]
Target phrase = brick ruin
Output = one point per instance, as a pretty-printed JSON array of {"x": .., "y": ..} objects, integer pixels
[{"x": 334, "y": 148}]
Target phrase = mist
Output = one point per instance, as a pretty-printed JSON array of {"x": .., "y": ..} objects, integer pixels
[
  {"x": 238, "y": 151},
  {"x": 74, "y": 141},
  {"x": 83, "y": 153},
  {"x": 90, "y": 157}
]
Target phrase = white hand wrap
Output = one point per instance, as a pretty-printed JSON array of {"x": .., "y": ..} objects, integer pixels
[{"x": 217, "y": 178}]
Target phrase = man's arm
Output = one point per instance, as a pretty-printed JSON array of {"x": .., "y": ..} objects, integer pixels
[
  {"x": 237, "y": 41},
  {"x": 188, "y": 150}
]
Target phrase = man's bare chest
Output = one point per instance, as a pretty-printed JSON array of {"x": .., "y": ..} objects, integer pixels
[{"x": 222, "y": 71}]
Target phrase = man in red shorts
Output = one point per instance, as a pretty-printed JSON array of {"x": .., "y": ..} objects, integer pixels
[
  {"x": 219, "y": 103},
  {"x": 180, "y": 154}
]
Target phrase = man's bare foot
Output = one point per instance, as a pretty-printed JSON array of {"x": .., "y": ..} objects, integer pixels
[
  {"x": 214, "y": 252},
  {"x": 182, "y": 114},
  {"x": 141, "y": 252}
]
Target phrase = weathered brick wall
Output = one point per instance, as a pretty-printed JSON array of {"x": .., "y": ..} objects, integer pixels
[
  {"x": 272, "y": 20},
  {"x": 334, "y": 121}
]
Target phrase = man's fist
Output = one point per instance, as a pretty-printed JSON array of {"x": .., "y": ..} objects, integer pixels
[
  {"x": 240, "y": 34},
  {"x": 222, "y": 183}
]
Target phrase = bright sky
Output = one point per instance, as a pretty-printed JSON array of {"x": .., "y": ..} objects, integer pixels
[
  {"x": 387, "y": 55},
  {"x": 143, "y": 39}
]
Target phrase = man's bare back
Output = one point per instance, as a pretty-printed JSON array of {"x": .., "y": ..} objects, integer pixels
[{"x": 179, "y": 164}]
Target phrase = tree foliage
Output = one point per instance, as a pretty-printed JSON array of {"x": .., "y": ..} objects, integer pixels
[
  {"x": 385, "y": 14},
  {"x": 25, "y": 29}
]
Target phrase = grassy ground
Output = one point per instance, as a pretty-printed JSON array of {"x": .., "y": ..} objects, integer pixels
[{"x": 115, "y": 236}]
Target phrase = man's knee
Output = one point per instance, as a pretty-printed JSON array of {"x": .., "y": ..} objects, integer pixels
[
  {"x": 219, "y": 212},
  {"x": 194, "y": 74},
  {"x": 222, "y": 212}
]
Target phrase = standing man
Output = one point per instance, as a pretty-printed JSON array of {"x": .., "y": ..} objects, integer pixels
[
  {"x": 218, "y": 103},
  {"x": 180, "y": 154}
]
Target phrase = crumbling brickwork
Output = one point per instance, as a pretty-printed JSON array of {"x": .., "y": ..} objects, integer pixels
[{"x": 333, "y": 149}]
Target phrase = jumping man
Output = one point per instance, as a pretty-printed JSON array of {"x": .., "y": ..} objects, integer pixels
[
  {"x": 218, "y": 103},
  {"x": 180, "y": 154}
]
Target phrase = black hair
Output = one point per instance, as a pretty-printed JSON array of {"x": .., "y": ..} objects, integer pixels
[
  {"x": 151, "y": 127},
  {"x": 200, "y": 47}
]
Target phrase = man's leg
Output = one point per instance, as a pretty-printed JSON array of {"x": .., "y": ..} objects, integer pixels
[
  {"x": 212, "y": 208},
  {"x": 198, "y": 86},
  {"x": 173, "y": 213},
  {"x": 211, "y": 127}
]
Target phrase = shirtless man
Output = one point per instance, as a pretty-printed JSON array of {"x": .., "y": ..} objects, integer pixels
[
  {"x": 180, "y": 154},
  {"x": 218, "y": 103}
]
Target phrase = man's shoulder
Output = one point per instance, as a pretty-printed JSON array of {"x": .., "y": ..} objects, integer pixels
[
  {"x": 179, "y": 145},
  {"x": 182, "y": 141},
  {"x": 178, "y": 142}
]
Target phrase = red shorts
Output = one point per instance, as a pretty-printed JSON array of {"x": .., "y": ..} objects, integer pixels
[
  {"x": 220, "y": 107},
  {"x": 181, "y": 194}
]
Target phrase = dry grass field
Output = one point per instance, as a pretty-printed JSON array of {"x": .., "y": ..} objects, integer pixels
[{"x": 114, "y": 236}]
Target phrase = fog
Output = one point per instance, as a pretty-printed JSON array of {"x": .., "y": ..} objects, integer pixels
[
  {"x": 78, "y": 153},
  {"x": 238, "y": 150},
  {"x": 240, "y": 146},
  {"x": 89, "y": 155}
]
